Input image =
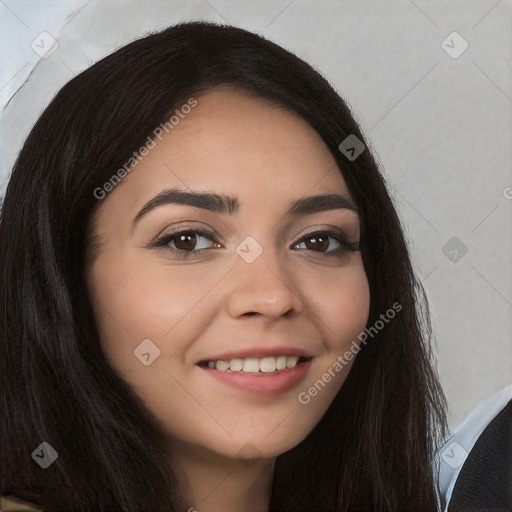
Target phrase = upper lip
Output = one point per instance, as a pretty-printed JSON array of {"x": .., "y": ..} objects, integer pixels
[{"x": 259, "y": 352}]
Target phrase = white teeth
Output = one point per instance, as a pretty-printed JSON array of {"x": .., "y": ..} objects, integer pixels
[
  {"x": 254, "y": 365},
  {"x": 251, "y": 365},
  {"x": 281, "y": 363},
  {"x": 268, "y": 365},
  {"x": 235, "y": 365},
  {"x": 291, "y": 361},
  {"x": 222, "y": 365}
]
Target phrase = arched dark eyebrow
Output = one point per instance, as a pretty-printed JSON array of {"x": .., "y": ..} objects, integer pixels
[{"x": 221, "y": 203}]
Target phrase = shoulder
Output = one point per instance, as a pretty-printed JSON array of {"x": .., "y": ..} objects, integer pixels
[
  {"x": 10, "y": 503},
  {"x": 474, "y": 464}
]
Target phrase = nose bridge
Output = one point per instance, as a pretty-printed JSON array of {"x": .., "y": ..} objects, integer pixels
[{"x": 261, "y": 283}]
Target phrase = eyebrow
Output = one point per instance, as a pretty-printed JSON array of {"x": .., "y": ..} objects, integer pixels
[{"x": 221, "y": 203}]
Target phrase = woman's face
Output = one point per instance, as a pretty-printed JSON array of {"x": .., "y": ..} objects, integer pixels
[{"x": 270, "y": 287}]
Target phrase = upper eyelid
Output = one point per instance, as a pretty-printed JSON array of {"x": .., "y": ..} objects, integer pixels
[
  {"x": 212, "y": 236},
  {"x": 345, "y": 215}
]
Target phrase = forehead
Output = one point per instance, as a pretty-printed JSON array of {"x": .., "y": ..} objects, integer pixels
[
  {"x": 239, "y": 128},
  {"x": 232, "y": 142}
]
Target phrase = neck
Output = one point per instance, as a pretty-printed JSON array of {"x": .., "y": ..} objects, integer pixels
[{"x": 210, "y": 482}]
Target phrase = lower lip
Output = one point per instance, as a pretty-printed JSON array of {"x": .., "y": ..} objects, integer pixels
[{"x": 268, "y": 384}]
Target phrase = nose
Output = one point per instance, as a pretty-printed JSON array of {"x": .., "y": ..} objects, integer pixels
[{"x": 263, "y": 287}]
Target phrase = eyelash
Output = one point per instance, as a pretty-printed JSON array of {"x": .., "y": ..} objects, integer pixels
[{"x": 164, "y": 240}]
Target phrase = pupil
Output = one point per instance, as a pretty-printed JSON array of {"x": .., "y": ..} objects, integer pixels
[
  {"x": 189, "y": 240},
  {"x": 323, "y": 241}
]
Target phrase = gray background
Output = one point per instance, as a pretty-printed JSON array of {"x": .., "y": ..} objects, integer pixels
[{"x": 440, "y": 128}]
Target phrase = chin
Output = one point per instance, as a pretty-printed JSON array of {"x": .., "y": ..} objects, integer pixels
[{"x": 261, "y": 443}]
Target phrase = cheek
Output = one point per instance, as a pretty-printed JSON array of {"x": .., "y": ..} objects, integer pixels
[
  {"x": 129, "y": 306},
  {"x": 342, "y": 309},
  {"x": 343, "y": 306},
  {"x": 134, "y": 301}
]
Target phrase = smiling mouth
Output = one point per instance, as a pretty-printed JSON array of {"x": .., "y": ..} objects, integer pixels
[{"x": 255, "y": 365}]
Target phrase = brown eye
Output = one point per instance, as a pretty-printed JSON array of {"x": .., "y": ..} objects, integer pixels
[
  {"x": 185, "y": 241},
  {"x": 328, "y": 243},
  {"x": 320, "y": 242},
  {"x": 317, "y": 243}
]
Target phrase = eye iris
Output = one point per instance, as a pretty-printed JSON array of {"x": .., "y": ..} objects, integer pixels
[
  {"x": 187, "y": 242},
  {"x": 319, "y": 242},
  {"x": 189, "y": 239}
]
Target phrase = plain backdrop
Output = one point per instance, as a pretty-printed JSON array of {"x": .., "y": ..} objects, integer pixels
[{"x": 437, "y": 115}]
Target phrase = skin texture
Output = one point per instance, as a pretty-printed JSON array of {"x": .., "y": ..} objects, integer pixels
[{"x": 225, "y": 439}]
